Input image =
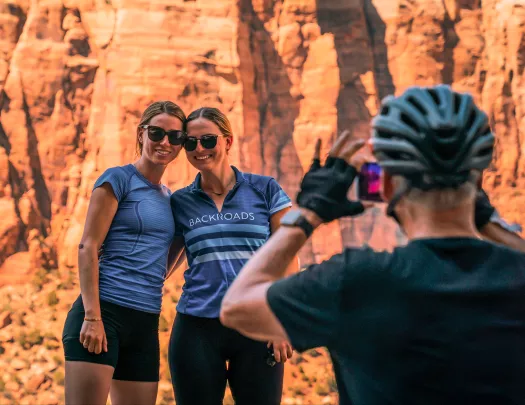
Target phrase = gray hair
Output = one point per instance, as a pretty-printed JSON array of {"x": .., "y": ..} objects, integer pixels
[{"x": 440, "y": 199}]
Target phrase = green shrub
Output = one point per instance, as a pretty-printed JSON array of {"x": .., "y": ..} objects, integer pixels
[
  {"x": 298, "y": 359},
  {"x": 28, "y": 340},
  {"x": 322, "y": 389},
  {"x": 163, "y": 324},
  {"x": 39, "y": 279},
  {"x": 332, "y": 384},
  {"x": 297, "y": 391},
  {"x": 52, "y": 298},
  {"x": 58, "y": 376},
  {"x": 58, "y": 359},
  {"x": 314, "y": 353}
]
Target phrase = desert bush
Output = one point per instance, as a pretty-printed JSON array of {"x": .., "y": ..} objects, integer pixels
[
  {"x": 163, "y": 324},
  {"x": 322, "y": 389},
  {"x": 314, "y": 353},
  {"x": 52, "y": 298},
  {"x": 39, "y": 279},
  {"x": 332, "y": 384},
  {"x": 58, "y": 359},
  {"x": 297, "y": 391},
  {"x": 28, "y": 340},
  {"x": 297, "y": 359},
  {"x": 58, "y": 376}
]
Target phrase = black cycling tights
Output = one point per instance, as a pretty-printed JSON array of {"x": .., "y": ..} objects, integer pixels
[{"x": 198, "y": 351}]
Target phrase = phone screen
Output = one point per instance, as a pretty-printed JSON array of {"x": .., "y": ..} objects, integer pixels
[{"x": 369, "y": 182}]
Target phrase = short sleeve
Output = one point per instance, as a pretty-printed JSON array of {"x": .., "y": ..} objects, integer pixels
[
  {"x": 307, "y": 304},
  {"x": 277, "y": 197},
  {"x": 117, "y": 178},
  {"x": 173, "y": 204}
]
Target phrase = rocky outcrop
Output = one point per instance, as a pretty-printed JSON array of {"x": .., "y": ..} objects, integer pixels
[{"x": 75, "y": 76}]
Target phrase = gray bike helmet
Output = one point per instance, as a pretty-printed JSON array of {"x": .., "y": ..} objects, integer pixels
[{"x": 433, "y": 136}]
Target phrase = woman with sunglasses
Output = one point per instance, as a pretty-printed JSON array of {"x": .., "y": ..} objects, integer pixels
[
  {"x": 223, "y": 217},
  {"x": 110, "y": 335}
]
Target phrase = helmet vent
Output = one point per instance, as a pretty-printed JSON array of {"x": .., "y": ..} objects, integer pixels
[
  {"x": 446, "y": 134},
  {"x": 384, "y": 134},
  {"x": 486, "y": 151},
  {"x": 385, "y": 110},
  {"x": 416, "y": 104},
  {"x": 457, "y": 103},
  {"x": 434, "y": 96},
  {"x": 471, "y": 119},
  {"x": 408, "y": 121}
]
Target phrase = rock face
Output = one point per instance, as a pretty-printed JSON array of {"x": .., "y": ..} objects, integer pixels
[{"x": 75, "y": 76}]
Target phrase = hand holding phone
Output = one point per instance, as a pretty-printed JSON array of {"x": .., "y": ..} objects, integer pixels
[{"x": 369, "y": 182}]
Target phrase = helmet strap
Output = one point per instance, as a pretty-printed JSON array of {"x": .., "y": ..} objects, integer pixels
[{"x": 397, "y": 197}]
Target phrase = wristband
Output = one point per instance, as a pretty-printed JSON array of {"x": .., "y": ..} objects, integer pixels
[{"x": 92, "y": 319}]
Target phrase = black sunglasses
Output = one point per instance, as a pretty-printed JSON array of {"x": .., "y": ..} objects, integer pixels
[
  {"x": 207, "y": 142},
  {"x": 157, "y": 134}
]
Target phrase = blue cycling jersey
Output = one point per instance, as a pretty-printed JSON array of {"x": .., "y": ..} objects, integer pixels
[
  {"x": 134, "y": 260},
  {"x": 218, "y": 244}
]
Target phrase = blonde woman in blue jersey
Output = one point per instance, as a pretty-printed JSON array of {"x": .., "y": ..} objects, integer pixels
[
  {"x": 110, "y": 336},
  {"x": 223, "y": 217}
]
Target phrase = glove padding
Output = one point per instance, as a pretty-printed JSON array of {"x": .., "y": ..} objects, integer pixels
[
  {"x": 483, "y": 209},
  {"x": 324, "y": 190}
]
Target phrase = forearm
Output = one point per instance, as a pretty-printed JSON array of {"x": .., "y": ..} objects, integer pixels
[
  {"x": 494, "y": 232},
  {"x": 244, "y": 306},
  {"x": 293, "y": 267},
  {"x": 89, "y": 280},
  {"x": 274, "y": 260}
]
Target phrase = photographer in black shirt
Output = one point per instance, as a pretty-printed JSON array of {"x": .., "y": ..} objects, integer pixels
[{"x": 438, "y": 321}]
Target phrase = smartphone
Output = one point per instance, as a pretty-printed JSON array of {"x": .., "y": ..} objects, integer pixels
[
  {"x": 270, "y": 357},
  {"x": 369, "y": 182}
]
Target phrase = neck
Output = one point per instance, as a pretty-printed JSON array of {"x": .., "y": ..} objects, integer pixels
[
  {"x": 421, "y": 222},
  {"x": 150, "y": 171},
  {"x": 218, "y": 179}
]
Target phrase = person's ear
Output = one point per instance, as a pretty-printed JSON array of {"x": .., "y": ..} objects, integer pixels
[{"x": 229, "y": 143}]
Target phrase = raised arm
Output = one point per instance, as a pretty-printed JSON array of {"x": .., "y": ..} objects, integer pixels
[
  {"x": 102, "y": 208},
  {"x": 275, "y": 223},
  {"x": 282, "y": 350},
  {"x": 245, "y": 306},
  {"x": 494, "y": 228},
  {"x": 499, "y": 234}
]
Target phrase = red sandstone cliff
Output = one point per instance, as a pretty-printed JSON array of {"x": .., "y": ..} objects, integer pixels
[{"x": 76, "y": 74}]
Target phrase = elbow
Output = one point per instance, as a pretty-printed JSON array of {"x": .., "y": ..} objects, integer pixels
[
  {"x": 86, "y": 248},
  {"x": 87, "y": 245},
  {"x": 229, "y": 314}
]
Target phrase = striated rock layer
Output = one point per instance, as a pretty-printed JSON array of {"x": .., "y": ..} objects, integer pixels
[{"x": 75, "y": 76}]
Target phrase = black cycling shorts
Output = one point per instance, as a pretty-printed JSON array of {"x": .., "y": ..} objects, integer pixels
[
  {"x": 204, "y": 356},
  {"x": 133, "y": 341}
]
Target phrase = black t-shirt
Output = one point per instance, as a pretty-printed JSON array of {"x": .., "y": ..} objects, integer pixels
[{"x": 439, "y": 321}]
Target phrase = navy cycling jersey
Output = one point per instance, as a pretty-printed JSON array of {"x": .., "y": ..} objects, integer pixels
[{"x": 218, "y": 244}]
